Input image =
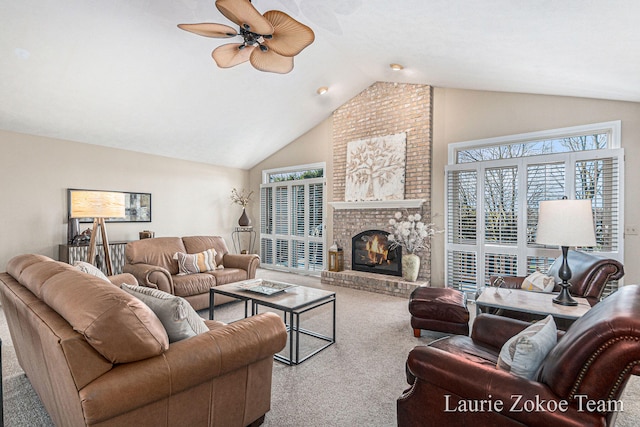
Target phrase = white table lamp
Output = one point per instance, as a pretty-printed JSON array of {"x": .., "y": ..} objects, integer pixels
[{"x": 565, "y": 223}]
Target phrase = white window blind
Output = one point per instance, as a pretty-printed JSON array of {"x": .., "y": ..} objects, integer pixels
[
  {"x": 510, "y": 192},
  {"x": 292, "y": 221}
]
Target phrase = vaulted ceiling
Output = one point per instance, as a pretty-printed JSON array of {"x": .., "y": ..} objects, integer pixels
[{"x": 119, "y": 73}]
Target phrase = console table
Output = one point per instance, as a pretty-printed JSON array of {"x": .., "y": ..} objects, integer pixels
[
  {"x": 237, "y": 241},
  {"x": 73, "y": 253}
]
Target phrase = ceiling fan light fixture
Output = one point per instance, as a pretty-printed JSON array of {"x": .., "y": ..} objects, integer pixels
[
  {"x": 396, "y": 67},
  {"x": 322, "y": 90},
  {"x": 276, "y": 36}
]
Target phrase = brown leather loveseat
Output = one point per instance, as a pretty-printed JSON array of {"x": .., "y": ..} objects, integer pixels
[
  {"x": 97, "y": 356},
  {"x": 456, "y": 381},
  {"x": 152, "y": 262}
]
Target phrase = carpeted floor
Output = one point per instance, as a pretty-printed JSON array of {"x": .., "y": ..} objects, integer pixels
[{"x": 354, "y": 382}]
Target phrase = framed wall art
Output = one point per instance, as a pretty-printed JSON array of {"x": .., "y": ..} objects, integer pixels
[
  {"x": 137, "y": 206},
  {"x": 375, "y": 168}
]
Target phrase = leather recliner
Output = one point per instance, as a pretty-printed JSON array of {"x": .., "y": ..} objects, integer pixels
[
  {"x": 589, "y": 275},
  {"x": 578, "y": 384}
]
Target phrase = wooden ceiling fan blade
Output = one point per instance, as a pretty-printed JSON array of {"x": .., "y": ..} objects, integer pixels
[
  {"x": 289, "y": 35},
  {"x": 242, "y": 12},
  {"x": 229, "y": 55},
  {"x": 271, "y": 62},
  {"x": 218, "y": 31}
]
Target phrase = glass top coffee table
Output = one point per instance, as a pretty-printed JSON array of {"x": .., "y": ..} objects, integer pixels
[{"x": 292, "y": 300}]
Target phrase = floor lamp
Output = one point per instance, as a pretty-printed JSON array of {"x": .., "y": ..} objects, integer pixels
[
  {"x": 565, "y": 223},
  {"x": 98, "y": 205}
]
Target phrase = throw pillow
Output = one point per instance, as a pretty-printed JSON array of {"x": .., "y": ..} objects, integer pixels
[
  {"x": 523, "y": 354},
  {"x": 196, "y": 263},
  {"x": 538, "y": 282},
  {"x": 179, "y": 319},
  {"x": 90, "y": 269}
]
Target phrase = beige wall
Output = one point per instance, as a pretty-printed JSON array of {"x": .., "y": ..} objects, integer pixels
[
  {"x": 188, "y": 198},
  {"x": 463, "y": 115}
]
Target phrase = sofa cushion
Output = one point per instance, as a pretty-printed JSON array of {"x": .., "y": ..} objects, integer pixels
[
  {"x": 118, "y": 325},
  {"x": 179, "y": 319},
  {"x": 193, "y": 284},
  {"x": 18, "y": 263},
  {"x": 523, "y": 353},
  {"x": 538, "y": 282},
  {"x": 195, "y": 244},
  {"x": 85, "y": 267},
  {"x": 157, "y": 251},
  {"x": 228, "y": 275},
  {"x": 33, "y": 276},
  {"x": 196, "y": 263}
]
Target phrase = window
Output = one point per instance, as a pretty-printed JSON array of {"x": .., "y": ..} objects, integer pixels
[
  {"x": 494, "y": 188},
  {"x": 292, "y": 218}
]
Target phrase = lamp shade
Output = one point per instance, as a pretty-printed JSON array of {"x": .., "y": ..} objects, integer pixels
[
  {"x": 565, "y": 223},
  {"x": 97, "y": 204}
]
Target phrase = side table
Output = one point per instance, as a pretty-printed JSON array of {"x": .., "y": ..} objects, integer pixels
[
  {"x": 536, "y": 303},
  {"x": 237, "y": 240}
]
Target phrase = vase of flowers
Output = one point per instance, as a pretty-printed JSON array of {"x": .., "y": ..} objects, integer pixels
[
  {"x": 242, "y": 198},
  {"x": 413, "y": 235}
]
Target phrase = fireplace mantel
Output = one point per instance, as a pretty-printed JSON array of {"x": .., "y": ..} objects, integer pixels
[{"x": 378, "y": 204}]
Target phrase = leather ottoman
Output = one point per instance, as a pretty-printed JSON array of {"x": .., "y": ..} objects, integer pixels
[{"x": 439, "y": 309}]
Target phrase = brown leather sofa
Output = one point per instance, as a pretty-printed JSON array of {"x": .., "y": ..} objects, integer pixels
[
  {"x": 151, "y": 261},
  {"x": 591, "y": 362},
  {"x": 98, "y": 356}
]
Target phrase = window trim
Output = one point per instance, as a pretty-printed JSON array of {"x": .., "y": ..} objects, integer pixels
[
  {"x": 613, "y": 128},
  {"x": 288, "y": 169}
]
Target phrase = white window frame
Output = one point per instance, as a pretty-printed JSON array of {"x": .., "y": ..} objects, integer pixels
[
  {"x": 522, "y": 250},
  {"x": 614, "y": 129},
  {"x": 307, "y": 238}
]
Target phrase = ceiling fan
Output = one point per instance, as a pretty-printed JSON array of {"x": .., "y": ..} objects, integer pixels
[{"x": 270, "y": 41}]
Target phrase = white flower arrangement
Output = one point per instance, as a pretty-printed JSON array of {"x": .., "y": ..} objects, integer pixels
[
  {"x": 241, "y": 198},
  {"x": 412, "y": 234}
]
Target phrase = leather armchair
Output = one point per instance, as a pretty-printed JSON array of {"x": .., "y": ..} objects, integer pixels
[
  {"x": 589, "y": 275},
  {"x": 591, "y": 362}
]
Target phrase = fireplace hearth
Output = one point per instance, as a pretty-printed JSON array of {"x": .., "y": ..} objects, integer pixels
[{"x": 370, "y": 252}]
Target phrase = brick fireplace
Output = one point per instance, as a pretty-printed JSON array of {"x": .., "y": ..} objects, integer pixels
[{"x": 380, "y": 110}]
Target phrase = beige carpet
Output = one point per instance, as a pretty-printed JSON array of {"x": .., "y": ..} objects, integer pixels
[{"x": 354, "y": 382}]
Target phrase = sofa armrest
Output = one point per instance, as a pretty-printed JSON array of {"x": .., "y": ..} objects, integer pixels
[
  {"x": 247, "y": 262},
  {"x": 119, "y": 279},
  {"x": 510, "y": 282},
  {"x": 439, "y": 373},
  {"x": 186, "y": 365},
  {"x": 151, "y": 276},
  {"x": 493, "y": 331}
]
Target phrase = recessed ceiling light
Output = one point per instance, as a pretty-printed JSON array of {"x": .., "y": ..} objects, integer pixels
[
  {"x": 322, "y": 90},
  {"x": 396, "y": 67}
]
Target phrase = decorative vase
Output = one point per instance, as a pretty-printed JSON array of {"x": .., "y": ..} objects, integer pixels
[
  {"x": 244, "y": 220},
  {"x": 410, "y": 267}
]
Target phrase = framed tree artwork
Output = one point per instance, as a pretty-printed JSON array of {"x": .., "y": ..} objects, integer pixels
[{"x": 376, "y": 168}]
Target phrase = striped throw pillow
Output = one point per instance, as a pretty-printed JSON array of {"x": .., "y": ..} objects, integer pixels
[{"x": 196, "y": 263}]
